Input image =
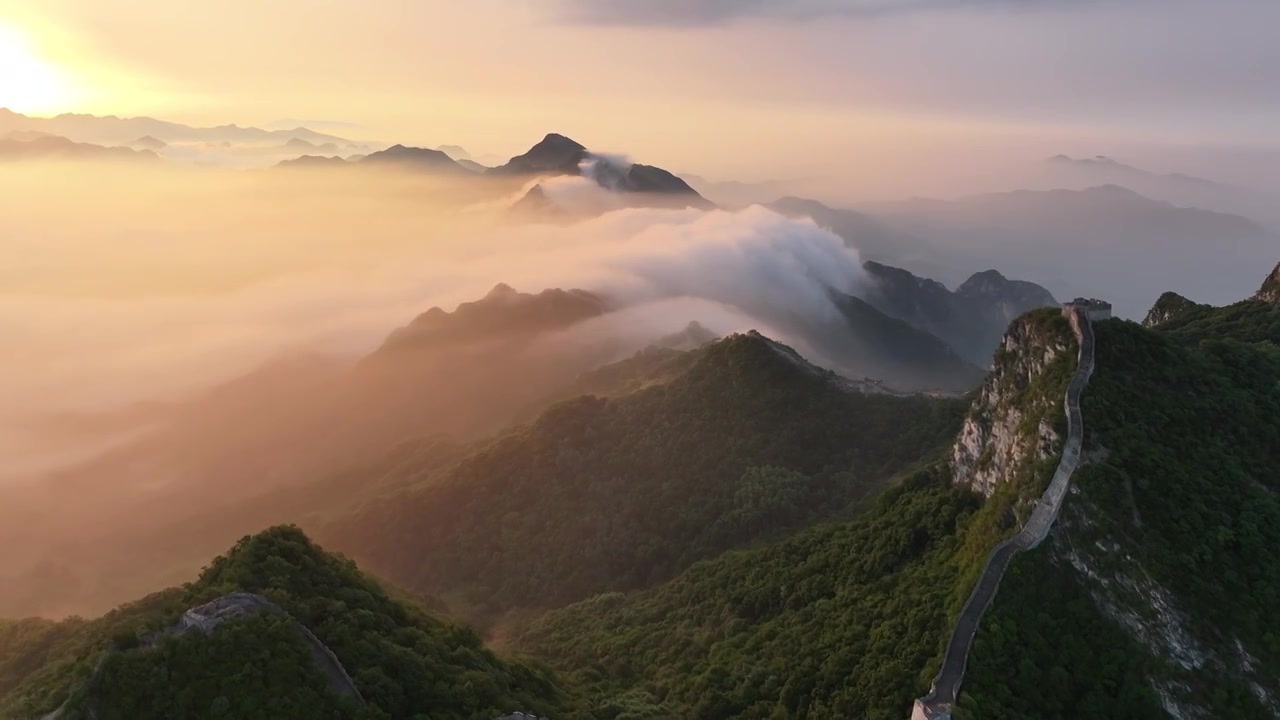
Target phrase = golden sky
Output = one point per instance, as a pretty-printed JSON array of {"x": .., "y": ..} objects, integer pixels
[{"x": 697, "y": 83}]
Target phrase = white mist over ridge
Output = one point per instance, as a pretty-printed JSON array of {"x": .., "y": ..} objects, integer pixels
[{"x": 226, "y": 272}]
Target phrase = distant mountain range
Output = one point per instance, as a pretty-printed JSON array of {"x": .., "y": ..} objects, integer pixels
[
  {"x": 1178, "y": 188},
  {"x": 971, "y": 319},
  {"x": 736, "y": 194},
  {"x": 1105, "y": 241},
  {"x": 1102, "y": 240},
  {"x": 458, "y": 374},
  {"x": 554, "y": 156},
  {"x": 874, "y": 240},
  {"x": 26, "y": 145},
  {"x": 112, "y": 130}
]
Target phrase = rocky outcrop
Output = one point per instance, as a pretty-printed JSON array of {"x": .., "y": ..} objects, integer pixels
[
  {"x": 1270, "y": 290},
  {"x": 942, "y": 695},
  {"x": 1167, "y": 307},
  {"x": 1008, "y": 426}
]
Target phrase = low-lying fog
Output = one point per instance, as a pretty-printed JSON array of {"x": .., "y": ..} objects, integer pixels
[
  {"x": 186, "y": 347},
  {"x": 126, "y": 286}
]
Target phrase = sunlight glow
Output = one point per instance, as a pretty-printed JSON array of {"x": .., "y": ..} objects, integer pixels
[{"x": 28, "y": 83}]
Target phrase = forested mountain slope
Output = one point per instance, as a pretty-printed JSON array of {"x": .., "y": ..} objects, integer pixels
[
  {"x": 745, "y": 444},
  {"x": 1162, "y": 576},
  {"x": 403, "y": 662},
  {"x": 843, "y": 620}
]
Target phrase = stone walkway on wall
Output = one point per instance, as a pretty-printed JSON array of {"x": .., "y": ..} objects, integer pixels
[{"x": 942, "y": 695}]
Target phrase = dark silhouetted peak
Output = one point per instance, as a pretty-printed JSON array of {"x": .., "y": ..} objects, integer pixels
[
  {"x": 650, "y": 179},
  {"x": 555, "y": 154},
  {"x": 647, "y": 178},
  {"x": 992, "y": 284},
  {"x": 555, "y": 142},
  {"x": 971, "y": 320},
  {"x": 503, "y": 313},
  {"x": 1270, "y": 290},
  {"x": 413, "y": 157},
  {"x": 987, "y": 276},
  {"x": 501, "y": 291},
  {"x": 987, "y": 282}
]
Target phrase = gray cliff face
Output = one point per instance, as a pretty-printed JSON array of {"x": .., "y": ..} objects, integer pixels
[
  {"x": 1270, "y": 290},
  {"x": 1010, "y": 425},
  {"x": 945, "y": 689}
]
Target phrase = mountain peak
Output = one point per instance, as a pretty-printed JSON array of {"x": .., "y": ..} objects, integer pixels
[
  {"x": 1168, "y": 306},
  {"x": 501, "y": 291},
  {"x": 502, "y": 312},
  {"x": 554, "y": 154},
  {"x": 558, "y": 140},
  {"x": 987, "y": 282},
  {"x": 424, "y": 158}
]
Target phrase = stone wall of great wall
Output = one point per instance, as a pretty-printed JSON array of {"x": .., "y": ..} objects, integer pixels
[{"x": 942, "y": 695}]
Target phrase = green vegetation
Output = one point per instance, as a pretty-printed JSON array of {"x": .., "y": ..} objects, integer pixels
[
  {"x": 405, "y": 663},
  {"x": 42, "y": 660},
  {"x": 838, "y": 622},
  {"x": 743, "y": 446},
  {"x": 1044, "y": 652},
  {"x": 1249, "y": 321},
  {"x": 1182, "y": 503},
  {"x": 844, "y": 620},
  {"x": 702, "y": 519}
]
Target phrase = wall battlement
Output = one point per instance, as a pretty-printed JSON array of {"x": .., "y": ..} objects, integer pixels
[{"x": 1094, "y": 308}]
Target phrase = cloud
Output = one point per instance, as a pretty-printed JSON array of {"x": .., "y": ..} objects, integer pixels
[
  {"x": 697, "y": 13},
  {"x": 225, "y": 271}
]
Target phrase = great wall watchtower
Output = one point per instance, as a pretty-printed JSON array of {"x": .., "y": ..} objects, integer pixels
[{"x": 1094, "y": 308}]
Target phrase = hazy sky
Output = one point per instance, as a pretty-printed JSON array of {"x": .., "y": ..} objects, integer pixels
[{"x": 729, "y": 86}]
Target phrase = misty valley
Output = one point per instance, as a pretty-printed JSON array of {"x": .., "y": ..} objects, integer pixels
[{"x": 317, "y": 419}]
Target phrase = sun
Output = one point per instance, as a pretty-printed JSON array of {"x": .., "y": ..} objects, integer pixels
[{"x": 29, "y": 84}]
